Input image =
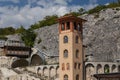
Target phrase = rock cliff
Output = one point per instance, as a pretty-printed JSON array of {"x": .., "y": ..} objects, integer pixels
[{"x": 101, "y": 36}]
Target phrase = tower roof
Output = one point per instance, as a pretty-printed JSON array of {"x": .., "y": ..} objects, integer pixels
[{"x": 71, "y": 18}]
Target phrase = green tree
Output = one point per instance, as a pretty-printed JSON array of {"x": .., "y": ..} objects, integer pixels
[
  {"x": 7, "y": 31},
  {"x": 20, "y": 29},
  {"x": 81, "y": 10},
  {"x": 28, "y": 36},
  {"x": 47, "y": 21},
  {"x": 73, "y": 13},
  {"x": 97, "y": 9}
]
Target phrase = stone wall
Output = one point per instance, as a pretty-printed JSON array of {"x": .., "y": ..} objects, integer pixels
[
  {"x": 92, "y": 68},
  {"x": 5, "y": 61}
]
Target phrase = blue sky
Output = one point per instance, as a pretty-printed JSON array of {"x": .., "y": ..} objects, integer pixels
[{"x": 26, "y": 12}]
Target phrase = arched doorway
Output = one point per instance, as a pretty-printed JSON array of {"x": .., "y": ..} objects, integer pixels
[
  {"x": 39, "y": 71},
  {"x": 89, "y": 71},
  {"x": 114, "y": 68},
  {"x": 20, "y": 63},
  {"x": 46, "y": 72},
  {"x": 52, "y": 72},
  {"x": 106, "y": 68},
  {"x": 99, "y": 68},
  {"x": 57, "y": 72},
  {"x": 36, "y": 60}
]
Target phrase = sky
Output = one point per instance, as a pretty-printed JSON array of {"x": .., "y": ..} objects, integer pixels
[{"x": 27, "y": 12}]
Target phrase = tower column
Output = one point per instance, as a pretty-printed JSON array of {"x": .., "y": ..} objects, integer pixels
[{"x": 70, "y": 48}]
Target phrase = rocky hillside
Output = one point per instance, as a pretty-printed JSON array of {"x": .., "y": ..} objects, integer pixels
[
  {"x": 47, "y": 39},
  {"x": 101, "y": 36}
]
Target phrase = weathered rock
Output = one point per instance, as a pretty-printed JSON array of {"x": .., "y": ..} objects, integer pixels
[
  {"x": 100, "y": 35},
  {"x": 102, "y": 38},
  {"x": 48, "y": 37}
]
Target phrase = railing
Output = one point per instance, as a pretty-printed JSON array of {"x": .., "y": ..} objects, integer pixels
[{"x": 46, "y": 54}]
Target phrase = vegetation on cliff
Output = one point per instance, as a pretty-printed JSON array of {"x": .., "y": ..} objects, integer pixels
[
  {"x": 103, "y": 7},
  {"x": 28, "y": 36}
]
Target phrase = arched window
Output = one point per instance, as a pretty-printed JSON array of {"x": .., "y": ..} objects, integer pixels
[
  {"x": 77, "y": 77},
  {"x": 78, "y": 27},
  {"x": 77, "y": 39},
  {"x": 65, "y": 77},
  {"x": 63, "y": 66},
  {"x": 65, "y": 54},
  {"x": 77, "y": 53},
  {"x": 79, "y": 66},
  {"x": 63, "y": 26},
  {"x": 75, "y": 65},
  {"x": 68, "y": 66},
  {"x": 65, "y": 39}
]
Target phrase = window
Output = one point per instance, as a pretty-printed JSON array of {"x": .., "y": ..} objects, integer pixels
[
  {"x": 79, "y": 66},
  {"x": 65, "y": 39},
  {"x": 65, "y": 77},
  {"x": 8, "y": 78},
  {"x": 75, "y": 65},
  {"x": 75, "y": 26},
  {"x": 63, "y": 26},
  {"x": 68, "y": 66},
  {"x": 77, "y": 53},
  {"x": 68, "y": 25},
  {"x": 65, "y": 53},
  {"x": 77, "y": 77},
  {"x": 77, "y": 39},
  {"x": 79, "y": 27},
  {"x": 63, "y": 66}
]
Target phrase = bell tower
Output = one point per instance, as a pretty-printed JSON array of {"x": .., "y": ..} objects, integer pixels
[{"x": 70, "y": 48}]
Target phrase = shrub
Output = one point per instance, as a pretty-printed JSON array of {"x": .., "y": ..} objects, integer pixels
[
  {"x": 39, "y": 41},
  {"x": 43, "y": 47},
  {"x": 96, "y": 16}
]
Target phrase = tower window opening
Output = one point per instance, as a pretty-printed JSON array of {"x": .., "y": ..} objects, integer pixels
[
  {"x": 65, "y": 39},
  {"x": 75, "y": 65},
  {"x": 68, "y": 25},
  {"x": 79, "y": 66},
  {"x": 75, "y": 26},
  {"x": 77, "y": 53},
  {"x": 63, "y": 66},
  {"x": 77, "y": 77},
  {"x": 68, "y": 66},
  {"x": 65, "y": 77},
  {"x": 77, "y": 39},
  {"x": 63, "y": 26},
  {"x": 65, "y": 54}
]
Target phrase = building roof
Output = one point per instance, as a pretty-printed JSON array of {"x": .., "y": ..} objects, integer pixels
[
  {"x": 14, "y": 40},
  {"x": 71, "y": 17}
]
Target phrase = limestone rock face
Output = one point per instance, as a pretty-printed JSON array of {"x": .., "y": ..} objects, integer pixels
[
  {"x": 101, "y": 36},
  {"x": 47, "y": 39}
]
